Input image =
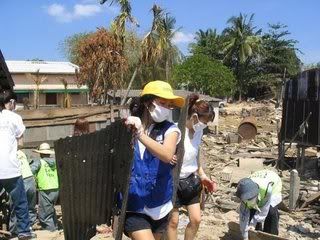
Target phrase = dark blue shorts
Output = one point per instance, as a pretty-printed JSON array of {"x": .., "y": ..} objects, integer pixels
[{"x": 139, "y": 221}]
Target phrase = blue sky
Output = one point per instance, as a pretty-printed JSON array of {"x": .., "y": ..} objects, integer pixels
[{"x": 35, "y": 28}]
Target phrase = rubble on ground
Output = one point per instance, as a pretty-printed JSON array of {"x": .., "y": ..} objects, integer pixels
[{"x": 229, "y": 162}]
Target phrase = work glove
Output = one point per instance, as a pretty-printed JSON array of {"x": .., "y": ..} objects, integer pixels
[
  {"x": 209, "y": 184},
  {"x": 134, "y": 123}
]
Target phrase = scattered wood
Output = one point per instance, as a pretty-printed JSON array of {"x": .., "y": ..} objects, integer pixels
[
  {"x": 59, "y": 112},
  {"x": 234, "y": 229},
  {"x": 258, "y": 235},
  {"x": 311, "y": 199},
  {"x": 294, "y": 189},
  {"x": 255, "y": 155},
  {"x": 62, "y": 116}
]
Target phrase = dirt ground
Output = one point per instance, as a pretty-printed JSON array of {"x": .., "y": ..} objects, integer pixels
[{"x": 221, "y": 207}]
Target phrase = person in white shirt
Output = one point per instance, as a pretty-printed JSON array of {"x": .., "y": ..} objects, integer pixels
[
  {"x": 12, "y": 129},
  {"x": 192, "y": 175}
]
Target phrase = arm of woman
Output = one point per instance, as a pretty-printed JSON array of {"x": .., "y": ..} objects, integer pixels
[
  {"x": 163, "y": 151},
  {"x": 206, "y": 181}
]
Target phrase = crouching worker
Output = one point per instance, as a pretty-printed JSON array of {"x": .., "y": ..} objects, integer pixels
[
  {"x": 47, "y": 178},
  {"x": 260, "y": 195}
]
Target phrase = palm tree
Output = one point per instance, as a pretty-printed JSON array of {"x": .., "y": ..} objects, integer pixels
[
  {"x": 118, "y": 26},
  {"x": 209, "y": 43},
  {"x": 38, "y": 79},
  {"x": 242, "y": 43},
  {"x": 202, "y": 37},
  {"x": 66, "y": 97},
  {"x": 166, "y": 32}
]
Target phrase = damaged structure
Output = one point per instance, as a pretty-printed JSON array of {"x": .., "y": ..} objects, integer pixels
[
  {"x": 6, "y": 81},
  {"x": 300, "y": 121}
]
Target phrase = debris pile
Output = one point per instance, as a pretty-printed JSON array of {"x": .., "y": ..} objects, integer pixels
[{"x": 228, "y": 161}]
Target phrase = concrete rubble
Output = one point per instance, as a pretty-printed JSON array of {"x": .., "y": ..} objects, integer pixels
[{"x": 228, "y": 163}]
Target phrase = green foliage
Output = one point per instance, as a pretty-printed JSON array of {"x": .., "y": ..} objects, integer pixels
[
  {"x": 199, "y": 72},
  {"x": 258, "y": 60},
  {"x": 242, "y": 41},
  {"x": 280, "y": 52},
  {"x": 209, "y": 43},
  {"x": 242, "y": 47},
  {"x": 311, "y": 65}
]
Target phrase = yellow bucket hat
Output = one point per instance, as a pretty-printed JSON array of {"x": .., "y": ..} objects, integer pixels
[{"x": 164, "y": 90}]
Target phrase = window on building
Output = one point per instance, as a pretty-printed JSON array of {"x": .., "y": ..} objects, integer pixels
[
  {"x": 51, "y": 98},
  {"x": 22, "y": 96}
]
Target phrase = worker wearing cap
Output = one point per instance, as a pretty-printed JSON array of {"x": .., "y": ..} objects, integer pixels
[
  {"x": 260, "y": 195},
  {"x": 46, "y": 174},
  {"x": 30, "y": 188}
]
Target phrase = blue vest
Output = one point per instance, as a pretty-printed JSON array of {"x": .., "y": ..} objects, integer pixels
[{"x": 151, "y": 182}]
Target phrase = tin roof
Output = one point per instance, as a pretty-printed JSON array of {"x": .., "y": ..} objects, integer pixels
[{"x": 42, "y": 66}]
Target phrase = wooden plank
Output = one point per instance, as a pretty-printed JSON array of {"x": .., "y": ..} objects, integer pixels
[
  {"x": 53, "y": 113},
  {"x": 234, "y": 230},
  {"x": 255, "y": 155},
  {"x": 46, "y": 122},
  {"x": 180, "y": 149},
  {"x": 294, "y": 189},
  {"x": 59, "y": 112},
  {"x": 311, "y": 199},
  {"x": 258, "y": 235}
]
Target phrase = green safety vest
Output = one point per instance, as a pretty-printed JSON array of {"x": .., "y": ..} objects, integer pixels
[
  {"x": 266, "y": 179},
  {"x": 24, "y": 165},
  {"x": 47, "y": 177}
]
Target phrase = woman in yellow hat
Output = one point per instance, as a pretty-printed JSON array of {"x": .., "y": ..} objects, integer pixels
[{"x": 151, "y": 183}]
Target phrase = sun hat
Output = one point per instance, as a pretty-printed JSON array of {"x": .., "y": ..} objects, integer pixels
[
  {"x": 44, "y": 148},
  {"x": 164, "y": 90},
  {"x": 247, "y": 189}
]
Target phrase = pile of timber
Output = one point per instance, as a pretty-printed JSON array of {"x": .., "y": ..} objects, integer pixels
[{"x": 66, "y": 116}]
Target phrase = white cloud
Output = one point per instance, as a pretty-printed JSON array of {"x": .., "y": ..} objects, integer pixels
[
  {"x": 86, "y": 10},
  {"x": 62, "y": 14},
  {"x": 181, "y": 37}
]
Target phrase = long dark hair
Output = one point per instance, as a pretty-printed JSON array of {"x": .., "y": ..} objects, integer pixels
[
  {"x": 5, "y": 97},
  {"x": 139, "y": 105},
  {"x": 200, "y": 107}
]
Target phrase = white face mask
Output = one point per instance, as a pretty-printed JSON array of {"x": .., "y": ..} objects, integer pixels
[
  {"x": 159, "y": 113},
  {"x": 199, "y": 126}
]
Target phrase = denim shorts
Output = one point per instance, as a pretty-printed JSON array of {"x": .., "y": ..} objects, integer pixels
[{"x": 139, "y": 221}]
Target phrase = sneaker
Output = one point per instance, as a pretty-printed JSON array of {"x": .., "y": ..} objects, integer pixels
[{"x": 27, "y": 237}]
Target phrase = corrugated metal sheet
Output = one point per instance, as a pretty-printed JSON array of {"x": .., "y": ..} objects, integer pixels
[
  {"x": 42, "y": 66},
  {"x": 93, "y": 169},
  {"x": 302, "y": 98}
]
